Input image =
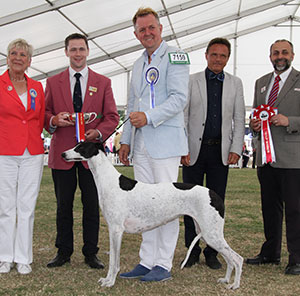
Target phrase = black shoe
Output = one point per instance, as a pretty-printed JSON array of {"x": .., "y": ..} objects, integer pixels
[
  {"x": 293, "y": 269},
  {"x": 59, "y": 260},
  {"x": 260, "y": 259},
  {"x": 93, "y": 262},
  {"x": 193, "y": 259},
  {"x": 212, "y": 261}
]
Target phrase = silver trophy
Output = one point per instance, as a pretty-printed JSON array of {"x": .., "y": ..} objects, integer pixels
[{"x": 88, "y": 117}]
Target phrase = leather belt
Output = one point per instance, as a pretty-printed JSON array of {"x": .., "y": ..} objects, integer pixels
[{"x": 211, "y": 142}]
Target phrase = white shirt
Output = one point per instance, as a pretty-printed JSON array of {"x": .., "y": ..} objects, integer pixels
[
  {"x": 83, "y": 84},
  {"x": 83, "y": 80},
  {"x": 283, "y": 77},
  {"x": 23, "y": 98}
]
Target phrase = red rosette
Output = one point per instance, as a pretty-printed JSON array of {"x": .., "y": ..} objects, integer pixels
[{"x": 264, "y": 113}]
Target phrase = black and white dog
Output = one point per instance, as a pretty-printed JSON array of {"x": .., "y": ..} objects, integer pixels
[{"x": 131, "y": 206}]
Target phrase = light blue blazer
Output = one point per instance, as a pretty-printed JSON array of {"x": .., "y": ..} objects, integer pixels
[{"x": 165, "y": 135}]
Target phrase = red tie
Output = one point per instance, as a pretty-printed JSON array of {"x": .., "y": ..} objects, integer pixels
[{"x": 274, "y": 92}]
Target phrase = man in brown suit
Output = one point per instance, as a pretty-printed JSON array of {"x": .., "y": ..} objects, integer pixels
[{"x": 280, "y": 180}]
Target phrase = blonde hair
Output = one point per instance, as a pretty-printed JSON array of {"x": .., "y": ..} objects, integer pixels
[
  {"x": 143, "y": 12},
  {"x": 20, "y": 43}
]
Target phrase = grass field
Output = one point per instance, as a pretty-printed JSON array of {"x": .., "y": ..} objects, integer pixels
[{"x": 243, "y": 232}]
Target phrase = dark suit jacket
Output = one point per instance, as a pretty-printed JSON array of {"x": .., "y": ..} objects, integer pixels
[
  {"x": 59, "y": 99},
  {"x": 286, "y": 140}
]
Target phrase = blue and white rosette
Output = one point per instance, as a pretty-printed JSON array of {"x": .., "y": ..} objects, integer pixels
[
  {"x": 152, "y": 76},
  {"x": 33, "y": 95}
]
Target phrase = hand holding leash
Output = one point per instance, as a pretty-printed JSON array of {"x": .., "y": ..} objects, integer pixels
[{"x": 138, "y": 119}]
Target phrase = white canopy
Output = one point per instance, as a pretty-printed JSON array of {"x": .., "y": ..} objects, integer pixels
[{"x": 250, "y": 25}]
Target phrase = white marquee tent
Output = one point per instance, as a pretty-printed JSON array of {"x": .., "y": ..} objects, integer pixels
[{"x": 250, "y": 25}]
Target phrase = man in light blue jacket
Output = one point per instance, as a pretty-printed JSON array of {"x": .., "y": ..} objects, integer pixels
[{"x": 155, "y": 137}]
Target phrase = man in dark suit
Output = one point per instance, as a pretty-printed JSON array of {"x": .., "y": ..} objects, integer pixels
[
  {"x": 215, "y": 122},
  {"x": 91, "y": 92},
  {"x": 280, "y": 180}
]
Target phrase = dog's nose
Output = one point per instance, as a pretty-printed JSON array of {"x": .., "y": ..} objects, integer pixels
[{"x": 63, "y": 155}]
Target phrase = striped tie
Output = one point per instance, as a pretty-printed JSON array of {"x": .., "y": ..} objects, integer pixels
[{"x": 274, "y": 92}]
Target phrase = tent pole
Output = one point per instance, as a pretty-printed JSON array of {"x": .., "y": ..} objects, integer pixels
[{"x": 235, "y": 56}]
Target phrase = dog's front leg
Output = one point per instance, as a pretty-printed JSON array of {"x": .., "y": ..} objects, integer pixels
[{"x": 115, "y": 239}]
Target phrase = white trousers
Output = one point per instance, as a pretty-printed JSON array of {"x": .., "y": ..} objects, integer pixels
[
  {"x": 158, "y": 245},
  {"x": 20, "y": 179}
]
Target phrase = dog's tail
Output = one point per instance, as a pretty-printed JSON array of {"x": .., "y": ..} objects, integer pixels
[{"x": 190, "y": 250}]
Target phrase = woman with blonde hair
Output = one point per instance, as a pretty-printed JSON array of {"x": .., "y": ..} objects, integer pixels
[{"x": 21, "y": 157}]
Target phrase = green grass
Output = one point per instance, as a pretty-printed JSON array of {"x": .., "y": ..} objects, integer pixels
[{"x": 243, "y": 231}]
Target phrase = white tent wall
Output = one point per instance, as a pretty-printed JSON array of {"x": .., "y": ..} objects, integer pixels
[{"x": 250, "y": 25}]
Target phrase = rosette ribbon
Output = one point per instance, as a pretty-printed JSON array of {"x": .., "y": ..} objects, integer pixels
[
  {"x": 152, "y": 76},
  {"x": 265, "y": 113},
  {"x": 79, "y": 123}
]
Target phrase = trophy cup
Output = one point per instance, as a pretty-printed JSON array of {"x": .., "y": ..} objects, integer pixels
[{"x": 88, "y": 117}]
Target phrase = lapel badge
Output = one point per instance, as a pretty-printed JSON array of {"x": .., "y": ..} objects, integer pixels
[
  {"x": 263, "y": 89},
  {"x": 92, "y": 89},
  {"x": 9, "y": 88}
]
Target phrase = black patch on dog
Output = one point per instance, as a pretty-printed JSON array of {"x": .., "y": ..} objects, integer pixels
[
  {"x": 184, "y": 186},
  {"x": 126, "y": 183},
  {"x": 88, "y": 149},
  {"x": 217, "y": 202}
]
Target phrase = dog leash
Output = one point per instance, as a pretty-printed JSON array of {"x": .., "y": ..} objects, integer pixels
[{"x": 118, "y": 127}]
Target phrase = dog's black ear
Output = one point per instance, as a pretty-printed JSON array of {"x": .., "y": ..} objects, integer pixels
[
  {"x": 100, "y": 146},
  {"x": 87, "y": 149}
]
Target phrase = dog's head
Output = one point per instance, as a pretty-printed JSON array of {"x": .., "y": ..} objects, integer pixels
[{"x": 82, "y": 151}]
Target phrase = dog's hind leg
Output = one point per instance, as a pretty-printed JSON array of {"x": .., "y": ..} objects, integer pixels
[
  {"x": 232, "y": 259},
  {"x": 115, "y": 239}
]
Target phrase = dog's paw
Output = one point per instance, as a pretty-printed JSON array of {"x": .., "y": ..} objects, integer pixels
[
  {"x": 106, "y": 282},
  {"x": 232, "y": 286},
  {"x": 223, "y": 281}
]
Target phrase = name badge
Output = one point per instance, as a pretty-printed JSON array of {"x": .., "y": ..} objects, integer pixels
[{"x": 179, "y": 58}]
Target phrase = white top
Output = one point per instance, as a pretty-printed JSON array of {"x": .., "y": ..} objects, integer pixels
[
  {"x": 283, "y": 77},
  {"x": 23, "y": 98},
  {"x": 83, "y": 80}
]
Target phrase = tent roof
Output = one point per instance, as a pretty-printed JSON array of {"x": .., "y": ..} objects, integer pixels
[{"x": 113, "y": 47}]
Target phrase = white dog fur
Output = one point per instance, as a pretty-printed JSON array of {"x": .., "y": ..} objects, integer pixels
[{"x": 132, "y": 206}]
